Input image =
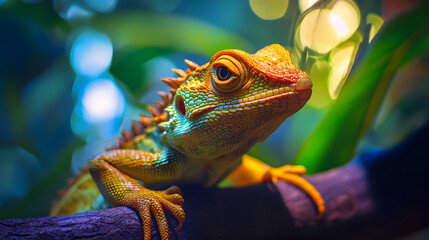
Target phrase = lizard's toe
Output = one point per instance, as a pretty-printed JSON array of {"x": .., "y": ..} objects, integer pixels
[
  {"x": 150, "y": 203},
  {"x": 292, "y": 175}
]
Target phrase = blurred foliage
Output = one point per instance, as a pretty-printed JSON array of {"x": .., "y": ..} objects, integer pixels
[
  {"x": 334, "y": 141},
  {"x": 38, "y": 85}
]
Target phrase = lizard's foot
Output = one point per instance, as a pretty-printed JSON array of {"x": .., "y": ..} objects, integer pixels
[
  {"x": 147, "y": 202},
  {"x": 292, "y": 174}
]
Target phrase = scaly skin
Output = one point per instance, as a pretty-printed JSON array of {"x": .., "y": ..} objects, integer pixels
[{"x": 218, "y": 112}]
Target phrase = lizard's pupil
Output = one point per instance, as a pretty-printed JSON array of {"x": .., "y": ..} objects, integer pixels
[{"x": 223, "y": 73}]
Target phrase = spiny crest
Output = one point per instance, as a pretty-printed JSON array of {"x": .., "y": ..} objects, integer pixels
[
  {"x": 158, "y": 110},
  {"x": 182, "y": 75}
]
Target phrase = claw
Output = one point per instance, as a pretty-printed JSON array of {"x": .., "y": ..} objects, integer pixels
[
  {"x": 292, "y": 174},
  {"x": 144, "y": 212},
  {"x": 173, "y": 190},
  {"x": 152, "y": 203},
  {"x": 157, "y": 211}
]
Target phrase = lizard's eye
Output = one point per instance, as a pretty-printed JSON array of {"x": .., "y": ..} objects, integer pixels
[
  {"x": 229, "y": 74},
  {"x": 223, "y": 73}
]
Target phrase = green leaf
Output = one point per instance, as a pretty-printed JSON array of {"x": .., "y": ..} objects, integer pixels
[{"x": 334, "y": 141}]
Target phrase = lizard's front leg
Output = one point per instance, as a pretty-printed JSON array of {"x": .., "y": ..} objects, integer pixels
[
  {"x": 113, "y": 171},
  {"x": 252, "y": 171}
]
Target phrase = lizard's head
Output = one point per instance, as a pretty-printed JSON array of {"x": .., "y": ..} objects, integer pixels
[{"x": 234, "y": 101}]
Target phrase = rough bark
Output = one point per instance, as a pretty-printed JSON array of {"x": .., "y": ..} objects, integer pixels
[{"x": 380, "y": 195}]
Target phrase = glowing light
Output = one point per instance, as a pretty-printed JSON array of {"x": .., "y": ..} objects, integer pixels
[
  {"x": 269, "y": 9},
  {"x": 306, "y": 4},
  {"x": 348, "y": 18},
  {"x": 341, "y": 60},
  {"x": 376, "y": 23},
  {"x": 316, "y": 32},
  {"x": 102, "y": 101},
  {"x": 323, "y": 29},
  {"x": 91, "y": 53},
  {"x": 338, "y": 24}
]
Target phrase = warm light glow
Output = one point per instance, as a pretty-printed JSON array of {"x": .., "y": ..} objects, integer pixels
[
  {"x": 306, "y": 4},
  {"x": 316, "y": 32},
  {"x": 91, "y": 53},
  {"x": 102, "y": 101},
  {"x": 341, "y": 61},
  {"x": 338, "y": 24},
  {"x": 323, "y": 29},
  {"x": 376, "y": 23},
  {"x": 346, "y": 18},
  {"x": 269, "y": 9}
]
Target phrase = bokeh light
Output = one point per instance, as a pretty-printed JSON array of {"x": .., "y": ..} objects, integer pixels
[
  {"x": 376, "y": 23},
  {"x": 91, "y": 53},
  {"x": 99, "y": 109},
  {"x": 342, "y": 59},
  {"x": 323, "y": 29},
  {"x": 326, "y": 43},
  {"x": 306, "y": 4},
  {"x": 102, "y": 101},
  {"x": 269, "y": 9}
]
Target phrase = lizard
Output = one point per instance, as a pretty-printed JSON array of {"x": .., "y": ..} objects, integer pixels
[{"x": 198, "y": 134}]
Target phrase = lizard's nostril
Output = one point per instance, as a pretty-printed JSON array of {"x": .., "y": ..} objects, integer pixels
[{"x": 180, "y": 105}]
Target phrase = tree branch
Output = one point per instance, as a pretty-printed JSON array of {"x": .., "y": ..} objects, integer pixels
[{"x": 378, "y": 195}]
